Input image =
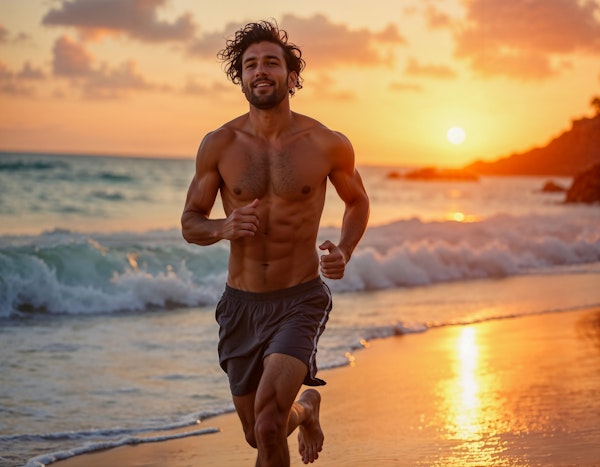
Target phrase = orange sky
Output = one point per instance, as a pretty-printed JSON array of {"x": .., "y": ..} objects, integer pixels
[{"x": 141, "y": 77}]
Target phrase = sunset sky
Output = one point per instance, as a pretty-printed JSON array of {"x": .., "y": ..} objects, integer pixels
[{"x": 141, "y": 77}]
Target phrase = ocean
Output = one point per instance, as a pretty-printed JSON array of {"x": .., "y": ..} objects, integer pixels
[{"x": 107, "y": 331}]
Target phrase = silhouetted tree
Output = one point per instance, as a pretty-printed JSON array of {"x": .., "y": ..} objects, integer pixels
[{"x": 595, "y": 103}]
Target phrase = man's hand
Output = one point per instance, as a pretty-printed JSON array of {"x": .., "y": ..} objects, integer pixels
[
  {"x": 242, "y": 222},
  {"x": 333, "y": 264}
]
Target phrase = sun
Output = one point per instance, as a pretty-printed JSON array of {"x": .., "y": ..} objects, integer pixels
[{"x": 456, "y": 135}]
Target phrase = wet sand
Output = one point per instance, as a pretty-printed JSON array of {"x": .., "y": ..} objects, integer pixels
[{"x": 512, "y": 392}]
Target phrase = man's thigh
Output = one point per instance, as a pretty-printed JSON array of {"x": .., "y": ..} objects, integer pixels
[{"x": 280, "y": 382}]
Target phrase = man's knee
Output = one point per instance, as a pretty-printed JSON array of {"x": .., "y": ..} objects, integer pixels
[
  {"x": 269, "y": 429},
  {"x": 251, "y": 437}
]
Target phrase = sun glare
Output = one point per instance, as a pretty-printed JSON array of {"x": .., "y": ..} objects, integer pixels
[
  {"x": 461, "y": 217},
  {"x": 456, "y": 135}
]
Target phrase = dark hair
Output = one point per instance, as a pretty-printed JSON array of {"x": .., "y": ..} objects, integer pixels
[{"x": 252, "y": 33}]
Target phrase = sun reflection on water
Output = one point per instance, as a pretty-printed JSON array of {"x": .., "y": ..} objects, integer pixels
[
  {"x": 459, "y": 216},
  {"x": 468, "y": 413},
  {"x": 467, "y": 416}
]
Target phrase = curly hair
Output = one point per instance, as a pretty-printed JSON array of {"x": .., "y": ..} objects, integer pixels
[{"x": 252, "y": 33}]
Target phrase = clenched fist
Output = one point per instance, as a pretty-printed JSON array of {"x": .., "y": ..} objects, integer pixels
[
  {"x": 333, "y": 264},
  {"x": 242, "y": 222}
]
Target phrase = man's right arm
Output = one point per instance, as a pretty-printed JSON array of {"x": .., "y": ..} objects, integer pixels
[{"x": 196, "y": 227}]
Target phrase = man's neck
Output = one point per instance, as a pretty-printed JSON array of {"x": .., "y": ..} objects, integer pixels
[{"x": 270, "y": 123}]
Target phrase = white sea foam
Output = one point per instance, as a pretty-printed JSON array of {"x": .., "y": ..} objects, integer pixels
[
  {"x": 46, "y": 459},
  {"x": 408, "y": 253},
  {"x": 68, "y": 272}
]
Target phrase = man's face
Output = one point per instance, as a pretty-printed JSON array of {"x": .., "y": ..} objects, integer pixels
[{"x": 265, "y": 79}]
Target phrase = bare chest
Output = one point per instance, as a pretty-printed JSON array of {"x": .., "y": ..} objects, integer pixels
[{"x": 288, "y": 174}]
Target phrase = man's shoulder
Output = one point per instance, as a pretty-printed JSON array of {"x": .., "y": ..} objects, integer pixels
[
  {"x": 321, "y": 131},
  {"x": 223, "y": 135}
]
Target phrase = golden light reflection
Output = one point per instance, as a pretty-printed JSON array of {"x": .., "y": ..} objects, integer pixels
[
  {"x": 461, "y": 217},
  {"x": 465, "y": 405},
  {"x": 467, "y": 401},
  {"x": 457, "y": 216},
  {"x": 351, "y": 359},
  {"x": 132, "y": 260}
]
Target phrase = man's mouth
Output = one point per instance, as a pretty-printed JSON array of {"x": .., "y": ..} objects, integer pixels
[{"x": 262, "y": 84}]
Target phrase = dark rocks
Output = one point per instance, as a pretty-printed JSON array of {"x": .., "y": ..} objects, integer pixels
[
  {"x": 553, "y": 187},
  {"x": 433, "y": 173},
  {"x": 585, "y": 187}
]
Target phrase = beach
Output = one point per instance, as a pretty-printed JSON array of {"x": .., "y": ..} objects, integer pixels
[
  {"x": 109, "y": 336},
  {"x": 510, "y": 392}
]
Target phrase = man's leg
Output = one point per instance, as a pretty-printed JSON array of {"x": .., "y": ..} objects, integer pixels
[
  {"x": 244, "y": 406},
  {"x": 277, "y": 415}
]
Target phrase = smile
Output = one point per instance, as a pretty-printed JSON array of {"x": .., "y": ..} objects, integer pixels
[{"x": 262, "y": 84}]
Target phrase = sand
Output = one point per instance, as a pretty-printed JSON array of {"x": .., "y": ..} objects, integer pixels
[{"x": 512, "y": 392}]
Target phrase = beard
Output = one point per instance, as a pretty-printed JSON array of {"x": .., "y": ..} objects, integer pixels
[{"x": 264, "y": 101}]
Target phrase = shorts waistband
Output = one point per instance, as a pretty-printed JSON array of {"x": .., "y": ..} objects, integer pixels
[{"x": 299, "y": 289}]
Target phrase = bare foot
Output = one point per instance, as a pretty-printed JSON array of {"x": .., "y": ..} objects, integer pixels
[{"x": 310, "y": 436}]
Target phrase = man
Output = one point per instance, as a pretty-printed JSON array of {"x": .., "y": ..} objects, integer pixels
[{"x": 271, "y": 167}]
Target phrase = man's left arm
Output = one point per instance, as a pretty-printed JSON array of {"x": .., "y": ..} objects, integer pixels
[{"x": 349, "y": 186}]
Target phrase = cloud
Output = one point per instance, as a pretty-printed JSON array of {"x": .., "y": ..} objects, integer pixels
[
  {"x": 437, "y": 19},
  {"x": 324, "y": 44},
  {"x": 414, "y": 68},
  {"x": 28, "y": 72},
  {"x": 134, "y": 18},
  {"x": 113, "y": 83},
  {"x": 194, "y": 88},
  {"x": 523, "y": 39},
  {"x": 208, "y": 45},
  {"x": 73, "y": 61},
  {"x": 5, "y": 72},
  {"x": 326, "y": 90},
  {"x": 18, "y": 83},
  {"x": 6, "y": 37},
  {"x": 70, "y": 58}
]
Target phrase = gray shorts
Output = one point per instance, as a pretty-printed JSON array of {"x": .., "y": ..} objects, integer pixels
[{"x": 254, "y": 325}]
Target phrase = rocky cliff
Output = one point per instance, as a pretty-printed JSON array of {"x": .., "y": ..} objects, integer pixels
[{"x": 570, "y": 153}]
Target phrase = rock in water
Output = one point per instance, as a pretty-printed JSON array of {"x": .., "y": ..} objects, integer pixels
[
  {"x": 585, "y": 187},
  {"x": 552, "y": 187}
]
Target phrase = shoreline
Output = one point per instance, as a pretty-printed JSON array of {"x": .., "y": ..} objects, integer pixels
[{"x": 520, "y": 391}]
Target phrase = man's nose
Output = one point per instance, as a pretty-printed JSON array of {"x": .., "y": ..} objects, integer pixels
[{"x": 261, "y": 69}]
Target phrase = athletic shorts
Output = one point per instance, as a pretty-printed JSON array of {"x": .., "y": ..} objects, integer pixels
[{"x": 255, "y": 325}]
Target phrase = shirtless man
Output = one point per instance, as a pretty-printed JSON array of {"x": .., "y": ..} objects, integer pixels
[{"x": 271, "y": 167}]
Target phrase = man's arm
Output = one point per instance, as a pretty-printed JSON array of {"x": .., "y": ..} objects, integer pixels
[
  {"x": 348, "y": 184},
  {"x": 196, "y": 227}
]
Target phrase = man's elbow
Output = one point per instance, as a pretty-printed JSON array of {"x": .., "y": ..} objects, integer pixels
[
  {"x": 186, "y": 231},
  {"x": 365, "y": 199},
  {"x": 192, "y": 231},
  {"x": 185, "y": 236}
]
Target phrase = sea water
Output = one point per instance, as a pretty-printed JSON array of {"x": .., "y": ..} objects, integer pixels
[{"x": 107, "y": 328}]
